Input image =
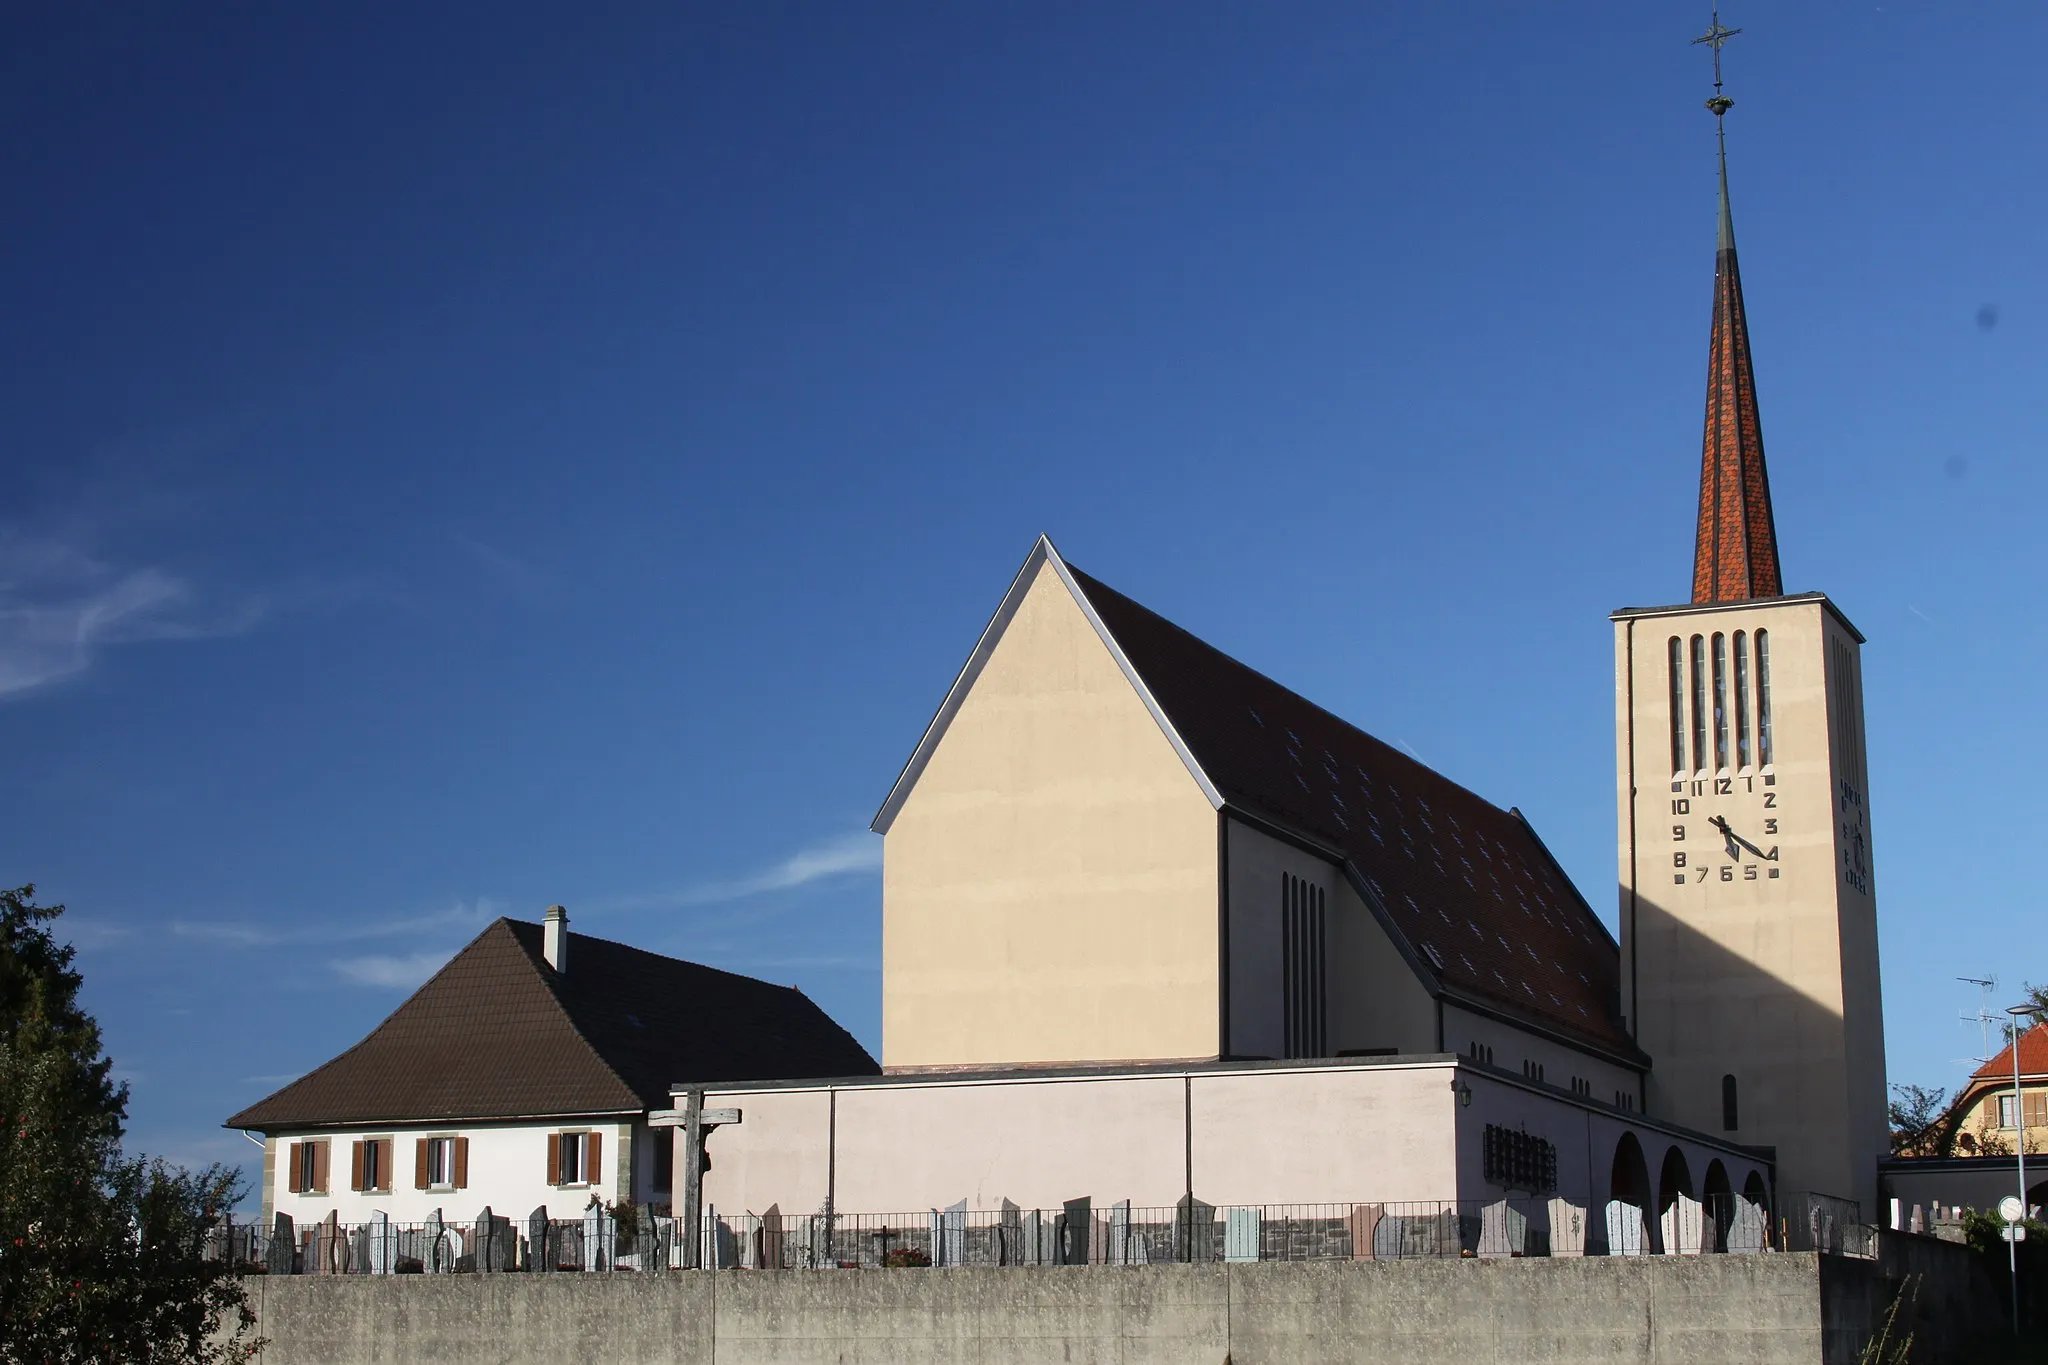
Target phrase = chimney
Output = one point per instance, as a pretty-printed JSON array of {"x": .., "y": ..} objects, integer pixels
[{"x": 555, "y": 938}]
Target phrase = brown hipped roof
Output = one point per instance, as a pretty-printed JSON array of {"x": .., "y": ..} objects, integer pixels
[
  {"x": 1464, "y": 886},
  {"x": 499, "y": 1034}
]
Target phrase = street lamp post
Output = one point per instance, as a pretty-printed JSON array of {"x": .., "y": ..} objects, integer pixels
[{"x": 2019, "y": 1013}]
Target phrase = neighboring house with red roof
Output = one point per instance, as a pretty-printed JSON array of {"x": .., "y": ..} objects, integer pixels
[
  {"x": 1987, "y": 1117},
  {"x": 522, "y": 1074}
]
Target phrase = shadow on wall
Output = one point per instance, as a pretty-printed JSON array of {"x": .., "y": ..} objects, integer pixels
[{"x": 1773, "y": 1088}]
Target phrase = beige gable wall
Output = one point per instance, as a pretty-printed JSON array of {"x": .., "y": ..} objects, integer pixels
[
  {"x": 1049, "y": 884},
  {"x": 1772, "y": 980}
]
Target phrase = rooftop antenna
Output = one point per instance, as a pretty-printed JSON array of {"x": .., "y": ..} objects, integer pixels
[{"x": 1983, "y": 1017}]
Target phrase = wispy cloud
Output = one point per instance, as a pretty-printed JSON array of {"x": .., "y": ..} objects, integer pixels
[
  {"x": 844, "y": 856},
  {"x": 471, "y": 915},
  {"x": 391, "y": 973},
  {"x": 61, "y": 607},
  {"x": 518, "y": 576}
]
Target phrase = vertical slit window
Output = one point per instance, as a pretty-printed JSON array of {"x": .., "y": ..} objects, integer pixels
[
  {"x": 1730, "y": 1117},
  {"x": 1676, "y": 659},
  {"x": 1763, "y": 697},
  {"x": 1304, "y": 1006},
  {"x": 1741, "y": 700},
  {"x": 1720, "y": 701},
  {"x": 1699, "y": 702}
]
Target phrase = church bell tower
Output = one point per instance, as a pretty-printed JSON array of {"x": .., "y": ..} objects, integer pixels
[{"x": 1748, "y": 911}]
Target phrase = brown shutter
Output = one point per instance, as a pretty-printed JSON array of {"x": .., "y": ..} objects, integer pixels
[
  {"x": 291, "y": 1183},
  {"x": 320, "y": 1166},
  {"x": 355, "y": 1164},
  {"x": 387, "y": 1149},
  {"x": 593, "y": 1157},
  {"x": 419, "y": 1163},
  {"x": 554, "y": 1158},
  {"x": 2034, "y": 1108},
  {"x": 461, "y": 1180}
]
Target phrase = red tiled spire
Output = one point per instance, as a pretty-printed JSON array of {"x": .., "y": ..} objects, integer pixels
[{"x": 1736, "y": 554}]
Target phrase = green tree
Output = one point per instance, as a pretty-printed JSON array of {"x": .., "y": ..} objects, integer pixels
[
  {"x": 1917, "y": 1121},
  {"x": 102, "y": 1256}
]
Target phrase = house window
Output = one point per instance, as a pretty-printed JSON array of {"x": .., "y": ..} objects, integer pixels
[
  {"x": 370, "y": 1165},
  {"x": 574, "y": 1158},
  {"x": 2006, "y": 1108},
  {"x": 1729, "y": 1112},
  {"x": 441, "y": 1163},
  {"x": 306, "y": 1167},
  {"x": 1303, "y": 1007}
]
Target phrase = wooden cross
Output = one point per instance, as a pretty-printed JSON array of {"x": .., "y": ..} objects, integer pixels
[{"x": 693, "y": 1123}]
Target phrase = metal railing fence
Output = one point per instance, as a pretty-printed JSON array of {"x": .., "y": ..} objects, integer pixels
[{"x": 1080, "y": 1232}]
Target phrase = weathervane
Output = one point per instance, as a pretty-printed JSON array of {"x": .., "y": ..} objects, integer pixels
[{"x": 1717, "y": 37}]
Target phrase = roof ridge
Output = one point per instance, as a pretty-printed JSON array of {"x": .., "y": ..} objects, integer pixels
[
  {"x": 549, "y": 980},
  {"x": 359, "y": 1044},
  {"x": 1091, "y": 581}
]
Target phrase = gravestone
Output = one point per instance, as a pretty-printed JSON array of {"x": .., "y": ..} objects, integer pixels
[
  {"x": 950, "y": 1246},
  {"x": 1010, "y": 1250},
  {"x": 383, "y": 1248},
  {"x": 666, "y": 1253},
  {"x": 359, "y": 1248},
  {"x": 1241, "y": 1229},
  {"x": 1750, "y": 1228},
  {"x": 278, "y": 1256},
  {"x": 1192, "y": 1220},
  {"x": 1364, "y": 1227},
  {"x": 439, "y": 1256},
  {"x": 771, "y": 1238},
  {"x": 1034, "y": 1239},
  {"x": 1072, "y": 1231},
  {"x": 1496, "y": 1236},
  {"x": 540, "y": 1249},
  {"x": 1567, "y": 1228},
  {"x": 333, "y": 1254},
  {"x": 1119, "y": 1250},
  {"x": 493, "y": 1242},
  {"x": 1917, "y": 1221},
  {"x": 1624, "y": 1228},
  {"x": 595, "y": 1225},
  {"x": 1683, "y": 1227}
]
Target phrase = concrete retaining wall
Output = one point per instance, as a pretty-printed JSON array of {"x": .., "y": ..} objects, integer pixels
[{"x": 1791, "y": 1308}]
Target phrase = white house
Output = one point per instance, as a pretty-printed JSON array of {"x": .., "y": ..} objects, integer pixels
[{"x": 521, "y": 1076}]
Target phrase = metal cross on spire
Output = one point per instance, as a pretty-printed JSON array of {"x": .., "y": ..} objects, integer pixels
[{"x": 1717, "y": 37}]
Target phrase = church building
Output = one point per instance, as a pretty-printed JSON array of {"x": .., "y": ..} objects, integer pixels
[{"x": 1157, "y": 928}]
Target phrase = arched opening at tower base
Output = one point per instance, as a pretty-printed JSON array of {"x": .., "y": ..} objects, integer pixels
[
  {"x": 1627, "y": 1221},
  {"x": 1679, "y": 1226},
  {"x": 1719, "y": 1198}
]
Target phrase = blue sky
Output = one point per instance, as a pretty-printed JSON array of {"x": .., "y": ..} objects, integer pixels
[{"x": 467, "y": 458}]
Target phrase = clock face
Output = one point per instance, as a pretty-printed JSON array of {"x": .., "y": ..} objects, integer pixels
[{"x": 1724, "y": 829}]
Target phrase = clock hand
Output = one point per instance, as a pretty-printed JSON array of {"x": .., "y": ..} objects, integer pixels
[{"x": 1733, "y": 839}]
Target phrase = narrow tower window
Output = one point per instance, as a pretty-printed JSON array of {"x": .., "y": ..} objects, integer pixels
[
  {"x": 1763, "y": 697},
  {"x": 1699, "y": 702},
  {"x": 1720, "y": 701},
  {"x": 1677, "y": 661},
  {"x": 1729, "y": 1115},
  {"x": 1741, "y": 700}
]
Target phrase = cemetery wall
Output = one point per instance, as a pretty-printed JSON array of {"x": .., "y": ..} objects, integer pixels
[{"x": 1798, "y": 1307}]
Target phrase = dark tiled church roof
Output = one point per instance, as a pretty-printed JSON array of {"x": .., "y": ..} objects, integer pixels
[
  {"x": 1467, "y": 884},
  {"x": 498, "y": 1034}
]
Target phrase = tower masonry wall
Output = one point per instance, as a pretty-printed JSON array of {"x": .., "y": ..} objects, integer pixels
[{"x": 1749, "y": 949}]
